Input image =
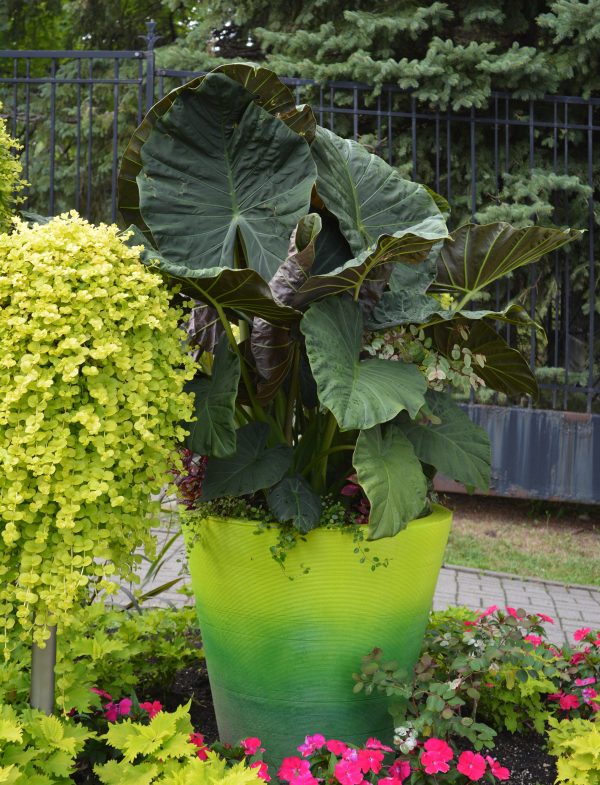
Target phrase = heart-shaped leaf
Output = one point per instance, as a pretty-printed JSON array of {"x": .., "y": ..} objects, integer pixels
[
  {"x": 217, "y": 169},
  {"x": 292, "y": 499},
  {"x": 475, "y": 256},
  {"x": 390, "y": 474},
  {"x": 269, "y": 93},
  {"x": 366, "y": 194},
  {"x": 456, "y": 446},
  {"x": 213, "y": 432},
  {"x": 272, "y": 345},
  {"x": 254, "y": 466},
  {"x": 360, "y": 393},
  {"x": 409, "y": 248}
]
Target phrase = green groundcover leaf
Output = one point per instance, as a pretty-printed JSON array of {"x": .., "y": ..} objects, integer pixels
[
  {"x": 366, "y": 194},
  {"x": 292, "y": 499},
  {"x": 218, "y": 168},
  {"x": 456, "y": 447},
  {"x": 359, "y": 393},
  {"x": 253, "y": 467},
  {"x": 391, "y": 476},
  {"x": 474, "y": 256},
  {"x": 213, "y": 432}
]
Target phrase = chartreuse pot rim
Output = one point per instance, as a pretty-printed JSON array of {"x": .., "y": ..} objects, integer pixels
[{"x": 281, "y": 644}]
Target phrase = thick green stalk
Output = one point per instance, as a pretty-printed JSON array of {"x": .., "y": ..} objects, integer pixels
[
  {"x": 321, "y": 466},
  {"x": 288, "y": 428},
  {"x": 43, "y": 662},
  {"x": 327, "y": 453}
]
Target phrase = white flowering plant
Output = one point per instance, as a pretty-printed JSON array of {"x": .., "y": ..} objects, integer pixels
[{"x": 334, "y": 312}]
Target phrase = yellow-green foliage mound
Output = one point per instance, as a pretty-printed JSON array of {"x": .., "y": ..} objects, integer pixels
[
  {"x": 10, "y": 176},
  {"x": 92, "y": 369}
]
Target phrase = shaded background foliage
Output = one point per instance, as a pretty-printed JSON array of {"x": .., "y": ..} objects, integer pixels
[{"x": 445, "y": 56}]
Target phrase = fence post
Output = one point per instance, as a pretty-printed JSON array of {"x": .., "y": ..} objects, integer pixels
[{"x": 150, "y": 38}]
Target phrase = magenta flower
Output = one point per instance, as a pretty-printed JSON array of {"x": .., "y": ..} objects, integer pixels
[
  {"x": 263, "y": 770},
  {"x": 292, "y": 768},
  {"x": 535, "y": 640},
  {"x": 251, "y": 745},
  {"x": 568, "y": 702},
  {"x": 589, "y": 693},
  {"x": 578, "y": 657},
  {"x": 435, "y": 756},
  {"x": 336, "y": 747},
  {"x": 399, "y": 770},
  {"x": 499, "y": 772},
  {"x": 311, "y": 744},
  {"x": 545, "y": 618},
  {"x": 124, "y": 706},
  {"x": 472, "y": 765},
  {"x": 585, "y": 682},
  {"x": 152, "y": 708},
  {"x": 101, "y": 693},
  {"x": 512, "y": 612},
  {"x": 488, "y": 611},
  {"x": 375, "y": 744},
  {"x": 348, "y": 772},
  {"x": 581, "y": 633},
  {"x": 111, "y": 712},
  {"x": 370, "y": 760},
  {"x": 197, "y": 739}
]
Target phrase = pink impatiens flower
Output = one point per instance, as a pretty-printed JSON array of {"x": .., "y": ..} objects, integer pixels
[
  {"x": 585, "y": 682},
  {"x": 487, "y": 612},
  {"x": 512, "y": 612},
  {"x": 435, "y": 756},
  {"x": 263, "y": 770},
  {"x": 568, "y": 702},
  {"x": 499, "y": 772},
  {"x": 348, "y": 772},
  {"x": 311, "y": 744},
  {"x": 292, "y": 768},
  {"x": 399, "y": 770},
  {"x": 578, "y": 657},
  {"x": 472, "y": 765},
  {"x": 101, "y": 693},
  {"x": 251, "y": 746},
  {"x": 112, "y": 711},
  {"x": 535, "y": 640},
  {"x": 375, "y": 744},
  {"x": 370, "y": 760},
  {"x": 152, "y": 708},
  {"x": 581, "y": 633},
  {"x": 197, "y": 739},
  {"x": 336, "y": 747},
  {"x": 545, "y": 618},
  {"x": 589, "y": 693}
]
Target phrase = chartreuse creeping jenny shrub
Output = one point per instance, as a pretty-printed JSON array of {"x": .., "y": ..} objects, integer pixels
[
  {"x": 576, "y": 744},
  {"x": 10, "y": 176},
  {"x": 92, "y": 371}
]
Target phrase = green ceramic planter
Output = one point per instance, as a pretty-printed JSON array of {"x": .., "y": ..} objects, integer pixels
[{"x": 280, "y": 653}]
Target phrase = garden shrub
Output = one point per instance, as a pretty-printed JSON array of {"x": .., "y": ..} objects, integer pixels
[
  {"x": 576, "y": 744},
  {"x": 38, "y": 749},
  {"x": 10, "y": 176},
  {"x": 92, "y": 366}
]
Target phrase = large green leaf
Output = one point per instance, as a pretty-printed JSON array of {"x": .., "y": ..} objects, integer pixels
[
  {"x": 239, "y": 290},
  {"x": 292, "y": 499},
  {"x": 391, "y": 475},
  {"x": 505, "y": 369},
  {"x": 456, "y": 446},
  {"x": 218, "y": 168},
  {"x": 366, "y": 194},
  {"x": 269, "y": 93},
  {"x": 360, "y": 393},
  {"x": 475, "y": 256},
  {"x": 254, "y": 466},
  {"x": 408, "y": 248},
  {"x": 213, "y": 432},
  {"x": 272, "y": 344}
]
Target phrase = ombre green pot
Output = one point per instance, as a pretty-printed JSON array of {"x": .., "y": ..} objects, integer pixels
[{"x": 281, "y": 646}]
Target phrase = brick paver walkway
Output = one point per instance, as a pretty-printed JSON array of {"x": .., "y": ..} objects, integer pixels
[{"x": 572, "y": 607}]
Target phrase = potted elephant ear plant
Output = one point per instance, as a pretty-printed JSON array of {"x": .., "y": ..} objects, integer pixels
[{"x": 333, "y": 316}]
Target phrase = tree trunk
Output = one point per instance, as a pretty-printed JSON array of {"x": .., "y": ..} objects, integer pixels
[{"x": 42, "y": 675}]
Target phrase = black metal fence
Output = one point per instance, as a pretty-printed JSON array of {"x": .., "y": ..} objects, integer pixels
[{"x": 73, "y": 112}]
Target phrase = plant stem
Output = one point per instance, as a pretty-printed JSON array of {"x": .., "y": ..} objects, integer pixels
[
  {"x": 43, "y": 662},
  {"x": 321, "y": 466},
  {"x": 292, "y": 395},
  {"x": 325, "y": 453}
]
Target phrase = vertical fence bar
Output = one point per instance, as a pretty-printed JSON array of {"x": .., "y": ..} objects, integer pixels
[
  {"x": 52, "y": 133},
  {"x": 567, "y": 273},
  {"x": 390, "y": 156},
  {"x": 15, "y": 104},
  {"x": 591, "y": 258},
  {"x": 473, "y": 165},
  {"x": 355, "y": 112},
  {"x": 449, "y": 156},
  {"x": 88, "y": 194},
  {"x": 151, "y": 38},
  {"x": 115, "y": 142},
  {"x": 78, "y": 141},
  {"x": 27, "y": 122},
  {"x": 413, "y": 130}
]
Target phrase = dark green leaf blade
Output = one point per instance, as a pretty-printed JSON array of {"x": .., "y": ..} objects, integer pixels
[
  {"x": 218, "y": 168},
  {"x": 254, "y": 466},
  {"x": 390, "y": 474},
  {"x": 292, "y": 499},
  {"x": 456, "y": 447},
  {"x": 475, "y": 256},
  {"x": 213, "y": 433},
  {"x": 366, "y": 194},
  {"x": 359, "y": 393}
]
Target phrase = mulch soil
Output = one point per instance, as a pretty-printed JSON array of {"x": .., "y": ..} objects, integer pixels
[{"x": 523, "y": 754}]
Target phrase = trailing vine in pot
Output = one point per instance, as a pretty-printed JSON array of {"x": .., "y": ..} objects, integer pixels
[{"x": 333, "y": 318}]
